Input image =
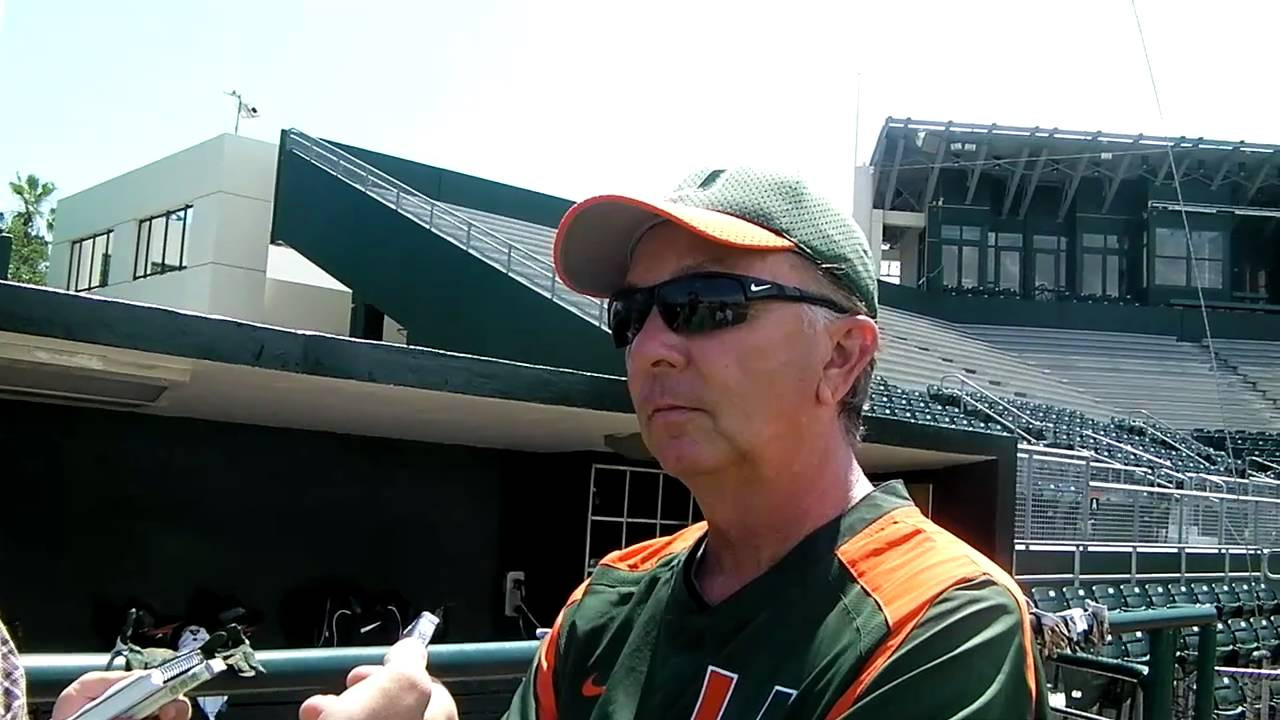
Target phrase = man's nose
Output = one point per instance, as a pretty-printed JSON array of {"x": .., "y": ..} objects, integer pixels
[{"x": 656, "y": 346}]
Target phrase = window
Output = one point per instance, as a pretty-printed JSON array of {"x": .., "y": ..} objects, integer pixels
[
  {"x": 631, "y": 504},
  {"x": 90, "y": 262},
  {"x": 891, "y": 271},
  {"x": 1004, "y": 260},
  {"x": 960, "y": 247},
  {"x": 1101, "y": 264},
  {"x": 1050, "y": 261},
  {"x": 162, "y": 243},
  {"x": 1174, "y": 266}
]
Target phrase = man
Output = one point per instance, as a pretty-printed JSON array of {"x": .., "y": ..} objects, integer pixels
[{"x": 745, "y": 303}]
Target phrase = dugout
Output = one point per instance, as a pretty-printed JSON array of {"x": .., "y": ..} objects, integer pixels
[{"x": 163, "y": 456}]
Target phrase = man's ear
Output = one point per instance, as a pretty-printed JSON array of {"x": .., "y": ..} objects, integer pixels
[{"x": 854, "y": 341}]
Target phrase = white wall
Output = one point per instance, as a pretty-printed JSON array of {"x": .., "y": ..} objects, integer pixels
[
  {"x": 307, "y": 307},
  {"x": 285, "y": 263},
  {"x": 229, "y": 181},
  {"x": 185, "y": 289}
]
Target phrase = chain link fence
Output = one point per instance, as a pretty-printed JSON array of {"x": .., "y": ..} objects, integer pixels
[{"x": 1065, "y": 495}]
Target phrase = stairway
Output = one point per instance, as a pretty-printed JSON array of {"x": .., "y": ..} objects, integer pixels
[
  {"x": 1257, "y": 362},
  {"x": 520, "y": 250}
]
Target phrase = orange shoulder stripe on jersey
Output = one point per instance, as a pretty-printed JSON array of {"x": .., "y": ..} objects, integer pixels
[
  {"x": 905, "y": 562},
  {"x": 544, "y": 683},
  {"x": 643, "y": 556}
]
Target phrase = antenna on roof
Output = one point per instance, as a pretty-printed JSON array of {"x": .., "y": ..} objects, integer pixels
[{"x": 243, "y": 109}]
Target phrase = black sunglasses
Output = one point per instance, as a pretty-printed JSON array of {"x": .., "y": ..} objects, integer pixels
[{"x": 699, "y": 303}]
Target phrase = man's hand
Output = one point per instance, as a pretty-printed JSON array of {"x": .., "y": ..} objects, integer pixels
[
  {"x": 91, "y": 686},
  {"x": 400, "y": 689}
]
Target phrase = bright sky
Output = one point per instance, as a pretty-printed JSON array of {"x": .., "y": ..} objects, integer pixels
[{"x": 575, "y": 97}]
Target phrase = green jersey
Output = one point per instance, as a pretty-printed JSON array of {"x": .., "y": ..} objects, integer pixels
[{"x": 879, "y": 613}]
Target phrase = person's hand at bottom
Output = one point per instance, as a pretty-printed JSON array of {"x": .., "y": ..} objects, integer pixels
[
  {"x": 400, "y": 689},
  {"x": 91, "y": 686}
]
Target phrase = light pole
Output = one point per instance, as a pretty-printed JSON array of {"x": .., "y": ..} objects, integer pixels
[
  {"x": 243, "y": 109},
  {"x": 857, "y": 129}
]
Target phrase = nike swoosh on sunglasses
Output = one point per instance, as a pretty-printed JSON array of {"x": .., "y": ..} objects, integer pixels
[{"x": 699, "y": 303}]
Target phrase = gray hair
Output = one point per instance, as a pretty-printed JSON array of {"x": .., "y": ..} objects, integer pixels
[{"x": 854, "y": 401}]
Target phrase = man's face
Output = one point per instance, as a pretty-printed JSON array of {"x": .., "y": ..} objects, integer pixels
[{"x": 710, "y": 401}]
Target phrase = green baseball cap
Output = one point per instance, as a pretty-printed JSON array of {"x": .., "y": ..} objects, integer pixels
[{"x": 741, "y": 207}]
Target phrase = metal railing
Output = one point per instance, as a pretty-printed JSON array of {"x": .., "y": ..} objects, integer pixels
[
  {"x": 1171, "y": 431},
  {"x": 1067, "y": 496},
  {"x": 1160, "y": 464},
  {"x": 300, "y": 671},
  {"x": 994, "y": 415},
  {"x": 1261, "y": 461},
  {"x": 1155, "y": 679},
  {"x": 504, "y": 254}
]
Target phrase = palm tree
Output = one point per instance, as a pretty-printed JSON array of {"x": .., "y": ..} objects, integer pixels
[{"x": 33, "y": 193}]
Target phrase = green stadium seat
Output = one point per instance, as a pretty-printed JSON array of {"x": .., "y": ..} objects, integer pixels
[
  {"x": 1109, "y": 596},
  {"x": 1207, "y": 595},
  {"x": 1075, "y": 594},
  {"x": 1245, "y": 639},
  {"x": 1230, "y": 601},
  {"x": 1228, "y": 698},
  {"x": 1268, "y": 636},
  {"x": 1137, "y": 647},
  {"x": 1203, "y": 594},
  {"x": 1267, "y": 598},
  {"x": 1159, "y": 595},
  {"x": 1048, "y": 599},
  {"x": 1182, "y": 594},
  {"x": 1226, "y": 647},
  {"x": 1135, "y": 598}
]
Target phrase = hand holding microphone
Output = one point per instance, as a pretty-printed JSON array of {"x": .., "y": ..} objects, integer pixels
[{"x": 399, "y": 689}]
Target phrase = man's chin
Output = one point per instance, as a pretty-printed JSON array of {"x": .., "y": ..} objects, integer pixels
[{"x": 684, "y": 456}]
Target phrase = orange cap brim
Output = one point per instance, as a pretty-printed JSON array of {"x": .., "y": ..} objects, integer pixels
[{"x": 595, "y": 238}]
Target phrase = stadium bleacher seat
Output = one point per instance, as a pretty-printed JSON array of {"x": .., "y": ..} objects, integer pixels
[
  {"x": 1077, "y": 597},
  {"x": 1268, "y": 637},
  {"x": 1137, "y": 647},
  {"x": 1228, "y": 698},
  {"x": 1245, "y": 639},
  {"x": 1226, "y": 646},
  {"x": 1203, "y": 594},
  {"x": 1048, "y": 599},
  {"x": 1263, "y": 444},
  {"x": 1267, "y": 599},
  {"x": 918, "y": 351},
  {"x": 1109, "y": 596},
  {"x": 1159, "y": 373},
  {"x": 1232, "y": 605},
  {"x": 1183, "y": 595},
  {"x": 1159, "y": 595},
  {"x": 1135, "y": 597},
  {"x": 1188, "y": 647}
]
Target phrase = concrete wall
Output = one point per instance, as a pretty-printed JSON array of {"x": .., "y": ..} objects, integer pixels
[{"x": 307, "y": 307}]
